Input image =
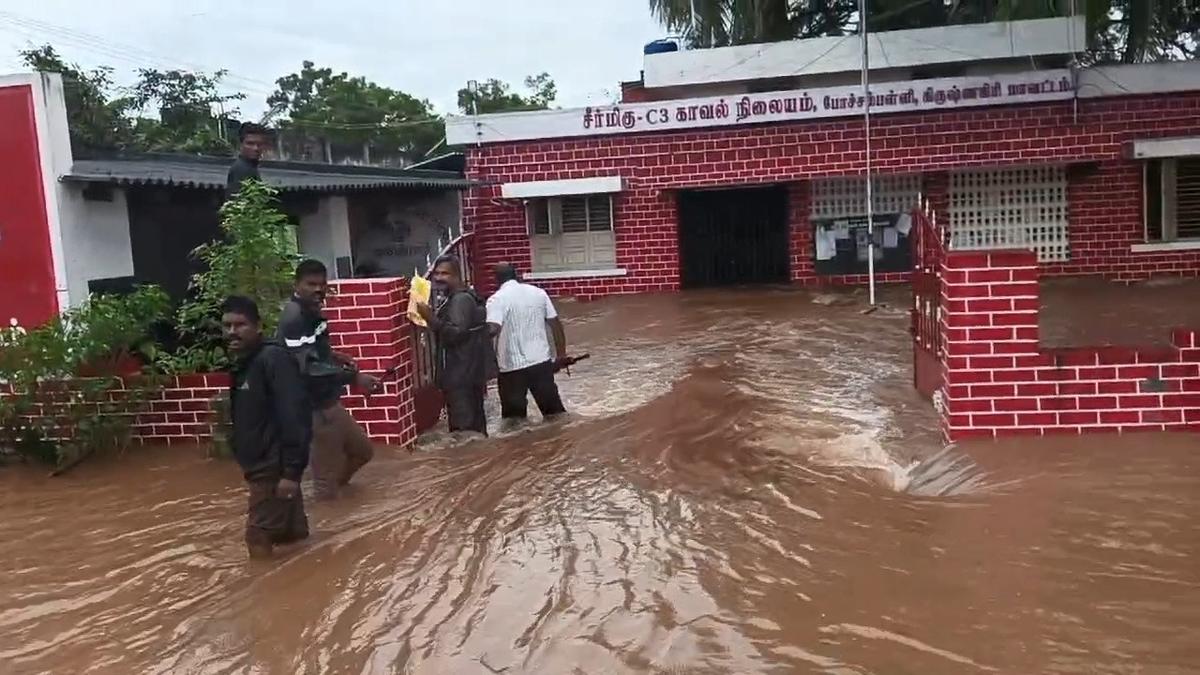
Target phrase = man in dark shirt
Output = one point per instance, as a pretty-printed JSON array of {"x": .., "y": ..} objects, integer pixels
[
  {"x": 270, "y": 429},
  {"x": 252, "y": 140},
  {"x": 339, "y": 447},
  {"x": 459, "y": 324}
]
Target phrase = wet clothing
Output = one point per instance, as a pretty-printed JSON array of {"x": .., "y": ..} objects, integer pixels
[
  {"x": 339, "y": 449},
  {"x": 464, "y": 358},
  {"x": 270, "y": 415},
  {"x": 241, "y": 170},
  {"x": 305, "y": 333},
  {"x": 515, "y": 386},
  {"x": 273, "y": 520}
]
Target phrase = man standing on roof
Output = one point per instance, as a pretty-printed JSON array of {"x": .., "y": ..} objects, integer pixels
[
  {"x": 339, "y": 446},
  {"x": 252, "y": 141},
  {"x": 519, "y": 315}
]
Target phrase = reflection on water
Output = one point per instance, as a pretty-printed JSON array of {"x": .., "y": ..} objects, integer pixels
[{"x": 748, "y": 484}]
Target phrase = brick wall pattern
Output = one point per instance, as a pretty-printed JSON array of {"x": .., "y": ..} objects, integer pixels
[{"x": 1104, "y": 193}]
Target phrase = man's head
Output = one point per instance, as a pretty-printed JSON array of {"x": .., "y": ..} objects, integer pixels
[
  {"x": 252, "y": 140},
  {"x": 241, "y": 324},
  {"x": 447, "y": 271},
  {"x": 506, "y": 272},
  {"x": 312, "y": 281}
]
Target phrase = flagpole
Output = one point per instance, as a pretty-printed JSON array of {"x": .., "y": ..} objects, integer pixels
[{"x": 862, "y": 29}]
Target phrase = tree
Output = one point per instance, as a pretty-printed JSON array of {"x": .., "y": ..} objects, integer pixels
[
  {"x": 338, "y": 108},
  {"x": 96, "y": 117},
  {"x": 191, "y": 113},
  {"x": 1126, "y": 31},
  {"x": 496, "y": 96}
]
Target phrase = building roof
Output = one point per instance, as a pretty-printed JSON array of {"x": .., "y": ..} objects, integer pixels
[
  {"x": 210, "y": 172},
  {"x": 455, "y": 162}
]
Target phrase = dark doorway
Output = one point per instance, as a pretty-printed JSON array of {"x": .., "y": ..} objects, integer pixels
[{"x": 733, "y": 237}]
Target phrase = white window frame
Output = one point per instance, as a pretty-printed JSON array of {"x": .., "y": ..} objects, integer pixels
[{"x": 553, "y": 251}]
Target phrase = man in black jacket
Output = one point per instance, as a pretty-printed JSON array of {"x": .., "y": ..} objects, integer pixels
[
  {"x": 270, "y": 429},
  {"x": 252, "y": 140},
  {"x": 339, "y": 447},
  {"x": 459, "y": 323}
]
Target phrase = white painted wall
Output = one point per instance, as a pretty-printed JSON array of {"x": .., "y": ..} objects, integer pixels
[
  {"x": 95, "y": 238},
  {"x": 325, "y": 234},
  {"x": 891, "y": 49},
  {"x": 414, "y": 228}
]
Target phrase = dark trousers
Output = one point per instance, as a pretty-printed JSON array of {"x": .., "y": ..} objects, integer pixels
[
  {"x": 272, "y": 520},
  {"x": 339, "y": 449},
  {"x": 516, "y": 386},
  {"x": 464, "y": 408}
]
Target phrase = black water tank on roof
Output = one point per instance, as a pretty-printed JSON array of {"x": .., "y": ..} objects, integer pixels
[{"x": 661, "y": 46}]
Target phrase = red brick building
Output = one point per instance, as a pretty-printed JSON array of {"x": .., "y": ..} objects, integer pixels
[{"x": 733, "y": 165}]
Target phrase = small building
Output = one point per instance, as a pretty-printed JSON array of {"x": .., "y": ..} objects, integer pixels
[
  {"x": 76, "y": 225},
  {"x": 747, "y": 164}
]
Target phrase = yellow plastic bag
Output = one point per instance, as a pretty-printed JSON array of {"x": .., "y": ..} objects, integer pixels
[{"x": 418, "y": 291}]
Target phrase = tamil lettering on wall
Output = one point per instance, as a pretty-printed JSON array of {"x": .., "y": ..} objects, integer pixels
[{"x": 778, "y": 106}]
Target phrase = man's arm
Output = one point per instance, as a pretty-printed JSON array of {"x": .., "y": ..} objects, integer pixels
[
  {"x": 293, "y": 333},
  {"x": 289, "y": 404},
  {"x": 455, "y": 328},
  {"x": 496, "y": 309},
  {"x": 556, "y": 328}
]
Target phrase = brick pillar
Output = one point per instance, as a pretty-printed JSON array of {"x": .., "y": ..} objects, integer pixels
[
  {"x": 800, "y": 235},
  {"x": 990, "y": 317},
  {"x": 367, "y": 322}
]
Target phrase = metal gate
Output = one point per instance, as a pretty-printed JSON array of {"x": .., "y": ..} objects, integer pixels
[{"x": 929, "y": 248}]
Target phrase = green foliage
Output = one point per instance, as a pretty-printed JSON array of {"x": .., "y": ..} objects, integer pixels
[
  {"x": 184, "y": 105},
  {"x": 495, "y": 96},
  {"x": 1126, "y": 31},
  {"x": 256, "y": 258},
  {"x": 49, "y": 413},
  {"x": 96, "y": 116},
  {"x": 348, "y": 110}
]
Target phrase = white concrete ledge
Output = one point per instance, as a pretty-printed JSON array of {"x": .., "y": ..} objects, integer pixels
[
  {"x": 1166, "y": 147},
  {"x": 574, "y": 274},
  {"x": 1167, "y": 246},
  {"x": 559, "y": 188}
]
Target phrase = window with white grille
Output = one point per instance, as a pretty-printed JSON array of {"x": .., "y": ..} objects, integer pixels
[
  {"x": 1023, "y": 208},
  {"x": 571, "y": 233},
  {"x": 1172, "y": 200},
  {"x": 847, "y": 197}
]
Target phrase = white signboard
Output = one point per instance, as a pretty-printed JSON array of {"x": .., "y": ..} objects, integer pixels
[{"x": 776, "y": 106}]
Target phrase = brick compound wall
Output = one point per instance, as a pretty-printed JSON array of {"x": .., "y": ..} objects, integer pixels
[
  {"x": 367, "y": 322},
  {"x": 1105, "y": 198},
  {"x": 1000, "y": 382}
]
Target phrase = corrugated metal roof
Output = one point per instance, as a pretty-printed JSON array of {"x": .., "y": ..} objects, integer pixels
[{"x": 211, "y": 173}]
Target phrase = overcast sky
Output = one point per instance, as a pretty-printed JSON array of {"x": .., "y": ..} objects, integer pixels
[{"x": 428, "y": 48}]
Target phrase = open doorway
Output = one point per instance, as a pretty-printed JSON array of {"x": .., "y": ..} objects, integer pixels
[{"x": 733, "y": 237}]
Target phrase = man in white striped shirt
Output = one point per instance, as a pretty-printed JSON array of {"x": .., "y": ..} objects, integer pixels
[{"x": 518, "y": 314}]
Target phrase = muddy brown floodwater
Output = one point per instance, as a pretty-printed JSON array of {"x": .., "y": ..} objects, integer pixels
[{"x": 748, "y": 485}]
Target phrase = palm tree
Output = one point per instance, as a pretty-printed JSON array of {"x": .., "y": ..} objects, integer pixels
[{"x": 1126, "y": 31}]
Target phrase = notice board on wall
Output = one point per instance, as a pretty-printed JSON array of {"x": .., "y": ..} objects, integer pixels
[{"x": 842, "y": 246}]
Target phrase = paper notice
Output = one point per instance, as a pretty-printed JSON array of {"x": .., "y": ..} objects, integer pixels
[
  {"x": 418, "y": 291},
  {"x": 904, "y": 224},
  {"x": 826, "y": 244},
  {"x": 891, "y": 238}
]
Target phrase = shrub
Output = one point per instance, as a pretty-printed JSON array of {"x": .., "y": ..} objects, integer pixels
[
  {"x": 256, "y": 258},
  {"x": 48, "y": 412}
]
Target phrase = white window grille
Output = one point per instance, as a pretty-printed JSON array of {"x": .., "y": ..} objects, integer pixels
[
  {"x": 847, "y": 197},
  {"x": 1024, "y": 208}
]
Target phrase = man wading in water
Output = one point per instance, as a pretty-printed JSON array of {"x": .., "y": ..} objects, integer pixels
[
  {"x": 339, "y": 447},
  {"x": 270, "y": 429},
  {"x": 464, "y": 347},
  {"x": 518, "y": 315}
]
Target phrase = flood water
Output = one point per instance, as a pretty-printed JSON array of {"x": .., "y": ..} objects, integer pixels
[{"x": 748, "y": 484}]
